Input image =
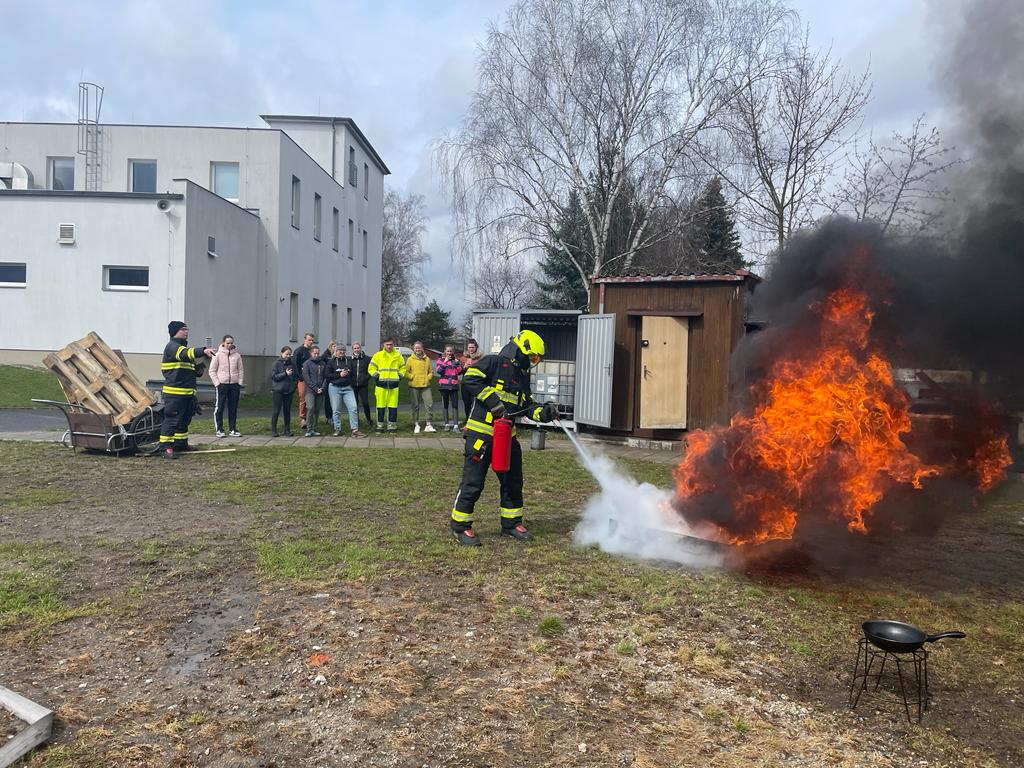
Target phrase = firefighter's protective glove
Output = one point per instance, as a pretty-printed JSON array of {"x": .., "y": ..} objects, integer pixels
[
  {"x": 548, "y": 412},
  {"x": 498, "y": 411}
]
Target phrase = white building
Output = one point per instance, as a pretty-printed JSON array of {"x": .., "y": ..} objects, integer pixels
[{"x": 263, "y": 233}]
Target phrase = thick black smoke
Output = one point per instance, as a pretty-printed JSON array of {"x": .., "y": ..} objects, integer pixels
[{"x": 956, "y": 303}]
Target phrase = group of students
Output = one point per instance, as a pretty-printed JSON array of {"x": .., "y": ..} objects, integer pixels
[{"x": 329, "y": 380}]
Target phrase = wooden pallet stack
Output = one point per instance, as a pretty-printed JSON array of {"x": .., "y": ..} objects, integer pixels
[{"x": 96, "y": 377}]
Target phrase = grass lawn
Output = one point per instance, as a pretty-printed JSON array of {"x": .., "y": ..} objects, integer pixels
[
  {"x": 18, "y": 385},
  {"x": 285, "y": 606}
]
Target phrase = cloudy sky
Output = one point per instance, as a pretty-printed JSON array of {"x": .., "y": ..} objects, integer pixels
[{"x": 401, "y": 69}]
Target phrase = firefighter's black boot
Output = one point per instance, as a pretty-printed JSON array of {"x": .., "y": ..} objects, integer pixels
[
  {"x": 170, "y": 454},
  {"x": 519, "y": 533},
  {"x": 466, "y": 538}
]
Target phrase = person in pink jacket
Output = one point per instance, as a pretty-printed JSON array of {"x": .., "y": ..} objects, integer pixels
[
  {"x": 228, "y": 375},
  {"x": 449, "y": 368}
]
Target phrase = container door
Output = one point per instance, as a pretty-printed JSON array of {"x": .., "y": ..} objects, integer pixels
[
  {"x": 664, "y": 347},
  {"x": 492, "y": 331},
  {"x": 595, "y": 352}
]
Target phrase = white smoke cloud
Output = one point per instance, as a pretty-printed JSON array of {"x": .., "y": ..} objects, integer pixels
[{"x": 635, "y": 519}]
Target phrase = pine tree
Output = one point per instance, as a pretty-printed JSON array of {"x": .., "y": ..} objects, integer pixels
[
  {"x": 561, "y": 285},
  {"x": 716, "y": 242},
  {"x": 432, "y": 326}
]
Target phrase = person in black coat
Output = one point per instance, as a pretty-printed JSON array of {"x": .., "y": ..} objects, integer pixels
[
  {"x": 326, "y": 356},
  {"x": 282, "y": 388},
  {"x": 316, "y": 389},
  {"x": 361, "y": 380}
]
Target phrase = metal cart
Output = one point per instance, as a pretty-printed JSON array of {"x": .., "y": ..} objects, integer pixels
[{"x": 98, "y": 432}]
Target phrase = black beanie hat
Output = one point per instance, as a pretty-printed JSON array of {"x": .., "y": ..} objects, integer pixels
[{"x": 174, "y": 326}]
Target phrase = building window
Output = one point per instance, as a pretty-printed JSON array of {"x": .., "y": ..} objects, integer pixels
[
  {"x": 334, "y": 321},
  {"x": 12, "y": 275},
  {"x": 316, "y": 318},
  {"x": 348, "y": 324},
  {"x": 125, "y": 278},
  {"x": 211, "y": 246},
  {"x": 366, "y": 248},
  {"x": 366, "y": 181},
  {"x": 353, "y": 172},
  {"x": 296, "y": 198},
  {"x": 336, "y": 230},
  {"x": 142, "y": 176},
  {"x": 362, "y": 327},
  {"x": 224, "y": 180},
  {"x": 60, "y": 172},
  {"x": 293, "y": 317},
  {"x": 351, "y": 238},
  {"x": 317, "y": 216}
]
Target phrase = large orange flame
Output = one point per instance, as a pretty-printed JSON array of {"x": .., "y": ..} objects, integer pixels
[{"x": 825, "y": 433}]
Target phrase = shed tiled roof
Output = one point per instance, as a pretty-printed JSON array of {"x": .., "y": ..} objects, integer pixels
[{"x": 738, "y": 276}]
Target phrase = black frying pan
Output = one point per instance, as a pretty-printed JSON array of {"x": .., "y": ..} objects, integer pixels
[{"x": 897, "y": 637}]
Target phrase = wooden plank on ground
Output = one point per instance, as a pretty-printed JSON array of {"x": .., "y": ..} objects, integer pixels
[{"x": 38, "y": 726}]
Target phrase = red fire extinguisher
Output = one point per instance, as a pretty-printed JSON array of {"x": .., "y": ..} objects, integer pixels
[{"x": 501, "y": 445}]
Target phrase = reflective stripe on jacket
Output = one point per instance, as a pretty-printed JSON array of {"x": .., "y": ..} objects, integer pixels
[
  {"x": 179, "y": 367},
  {"x": 494, "y": 380},
  {"x": 389, "y": 367}
]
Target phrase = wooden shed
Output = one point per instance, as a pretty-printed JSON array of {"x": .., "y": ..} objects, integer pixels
[{"x": 674, "y": 336}]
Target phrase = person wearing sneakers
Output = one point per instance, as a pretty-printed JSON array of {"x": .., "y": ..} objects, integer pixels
[
  {"x": 316, "y": 384},
  {"x": 500, "y": 386},
  {"x": 386, "y": 368},
  {"x": 340, "y": 375},
  {"x": 228, "y": 375},
  {"x": 179, "y": 391},
  {"x": 420, "y": 372},
  {"x": 449, "y": 368}
]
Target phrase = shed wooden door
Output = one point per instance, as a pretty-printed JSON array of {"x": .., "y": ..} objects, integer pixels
[{"x": 664, "y": 351}]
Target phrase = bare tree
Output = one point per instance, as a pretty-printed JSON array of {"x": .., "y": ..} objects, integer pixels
[
  {"x": 601, "y": 98},
  {"x": 402, "y": 259},
  {"x": 786, "y": 133},
  {"x": 497, "y": 275},
  {"x": 899, "y": 184}
]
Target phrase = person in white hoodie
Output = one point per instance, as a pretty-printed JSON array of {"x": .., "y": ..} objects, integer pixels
[{"x": 228, "y": 375}]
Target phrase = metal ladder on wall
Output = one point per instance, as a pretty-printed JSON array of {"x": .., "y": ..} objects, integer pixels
[{"x": 90, "y": 140}]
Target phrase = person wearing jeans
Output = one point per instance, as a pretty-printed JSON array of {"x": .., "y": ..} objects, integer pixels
[
  {"x": 361, "y": 380},
  {"x": 339, "y": 390},
  {"x": 228, "y": 375},
  {"x": 316, "y": 386}
]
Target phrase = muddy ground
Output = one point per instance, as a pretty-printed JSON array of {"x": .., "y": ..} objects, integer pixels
[{"x": 305, "y": 608}]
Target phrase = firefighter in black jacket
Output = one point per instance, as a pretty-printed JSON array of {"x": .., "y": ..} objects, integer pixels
[
  {"x": 500, "y": 386},
  {"x": 179, "y": 393}
]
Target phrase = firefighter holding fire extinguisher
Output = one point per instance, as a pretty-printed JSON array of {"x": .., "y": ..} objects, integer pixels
[{"x": 500, "y": 387}]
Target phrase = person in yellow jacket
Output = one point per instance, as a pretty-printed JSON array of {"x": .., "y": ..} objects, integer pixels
[
  {"x": 387, "y": 368},
  {"x": 420, "y": 371}
]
